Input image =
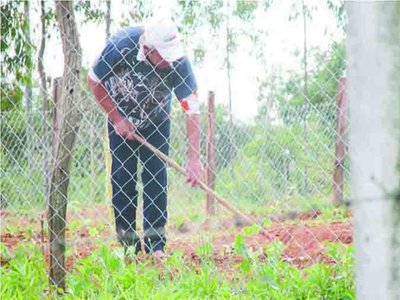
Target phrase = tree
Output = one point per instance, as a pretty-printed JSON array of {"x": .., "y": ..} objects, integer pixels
[
  {"x": 322, "y": 85},
  {"x": 108, "y": 19},
  {"x": 338, "y": 8},
  {"x": 17, "y": 54},
  {"x": 68, "y": 125},
  {"x": 45, "y": 18},
  {"x": 28, "y": 91}
]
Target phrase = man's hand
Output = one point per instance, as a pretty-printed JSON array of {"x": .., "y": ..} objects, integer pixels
[
  {"x": 194, "y": 172},
  {"x": 125, "y": 129},
  {"x": 122, "y": 126}
]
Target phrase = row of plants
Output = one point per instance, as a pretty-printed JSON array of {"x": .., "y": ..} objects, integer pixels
[{"x": 105, "y": 275}]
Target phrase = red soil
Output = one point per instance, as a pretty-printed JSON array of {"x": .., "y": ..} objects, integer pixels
[{"x": 303, "y": 243}]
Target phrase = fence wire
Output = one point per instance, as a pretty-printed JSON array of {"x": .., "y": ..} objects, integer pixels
[{"x": 278, "y": 168}]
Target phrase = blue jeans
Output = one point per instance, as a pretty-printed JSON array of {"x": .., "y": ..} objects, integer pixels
[{"x": 125, "y": 156}]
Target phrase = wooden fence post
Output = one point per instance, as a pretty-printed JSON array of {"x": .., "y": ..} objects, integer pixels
[
  {"x": 340, "y": 145},
  {"x": 210, "y": 150}
]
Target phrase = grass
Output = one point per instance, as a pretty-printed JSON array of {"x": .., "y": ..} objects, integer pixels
[{"x": 104, "y": 275}]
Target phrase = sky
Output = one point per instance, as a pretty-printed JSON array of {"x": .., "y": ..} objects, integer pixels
[{"x": 282, "y": 38}]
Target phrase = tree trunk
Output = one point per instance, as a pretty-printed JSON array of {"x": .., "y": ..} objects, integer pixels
[
  {"x": 340, "y": 145},
  {"x": 68, "y": 124},
  {"x": 305, "y": 91},
  {"x": 45, "y": 104},
  {"x": 108, "y": 19},
  {"x": 210, "y": 150},
  {"x": 373, "y": 96},
  {"x": 106, "y": 145},
  {"x": 28, "y": 92},
  {"x": 231, "y": 137}
]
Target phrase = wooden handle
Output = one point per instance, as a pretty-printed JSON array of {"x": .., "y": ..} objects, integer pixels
[{"x": 203, "y": 186}]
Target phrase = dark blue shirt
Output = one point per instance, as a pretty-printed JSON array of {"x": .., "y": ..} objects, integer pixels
[{"x": 141, "y": 91}]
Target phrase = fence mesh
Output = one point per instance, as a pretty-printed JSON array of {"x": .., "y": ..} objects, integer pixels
[{"x": 277, "y": 168}]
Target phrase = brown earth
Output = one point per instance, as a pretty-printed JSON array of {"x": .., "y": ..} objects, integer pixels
[{"x": 303, "y": 243}]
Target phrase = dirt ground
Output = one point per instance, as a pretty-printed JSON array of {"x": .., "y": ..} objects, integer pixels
[{"x": 302, "y": 237}]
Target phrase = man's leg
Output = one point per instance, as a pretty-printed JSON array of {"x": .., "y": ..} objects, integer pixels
[
  {"x": 154, "y": 177},
  {"x": 124, "y": 193}
]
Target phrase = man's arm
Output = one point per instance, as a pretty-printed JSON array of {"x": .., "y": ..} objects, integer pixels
[
  {"x": 122, "y": 126},
  {"x": 194, "y": 166}
]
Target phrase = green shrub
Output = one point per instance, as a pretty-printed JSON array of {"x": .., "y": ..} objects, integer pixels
[{"x": 104, "y": 275}]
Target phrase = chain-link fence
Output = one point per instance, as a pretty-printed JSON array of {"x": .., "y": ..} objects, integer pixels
[{"x": 284, "y": 169}]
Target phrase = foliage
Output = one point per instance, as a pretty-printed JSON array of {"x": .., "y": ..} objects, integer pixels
[
  {"x": 274, "y": 161},
  {"x": 103, "y": 275},
  {"x": 140, "y": 10},
  {"x": 21, "y": 189},
  {"x": 13, "y": 137},
  {"x": 25, "y": 276},
  {"x": 16, "y": 54},
  {"x": 281, "y": 97},
  {"x": 338, "y": 8},
  {"x": 91, "y": 12},
  {"x": 323, "y": 80},
  {"x": 245, "y": 9},
  {"x": 193, "y": 17}
]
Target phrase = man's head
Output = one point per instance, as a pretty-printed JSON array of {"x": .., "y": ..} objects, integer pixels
[{"x": 161, "y": 43}]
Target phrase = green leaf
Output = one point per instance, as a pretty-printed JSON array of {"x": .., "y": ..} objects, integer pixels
[
  {"x": 267, "y": 223},
  {"x": 239, "y": 246},
  {"x": 245, "y": 265},
  {"x": 93, "y": 231},
  {"x": 251, "y": 229}
]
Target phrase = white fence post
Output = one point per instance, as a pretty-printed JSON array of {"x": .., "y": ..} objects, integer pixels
[{"x": 374, "y": 102}]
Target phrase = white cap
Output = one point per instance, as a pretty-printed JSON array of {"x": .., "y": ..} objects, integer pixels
[{"x": 162, "y": 34}]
